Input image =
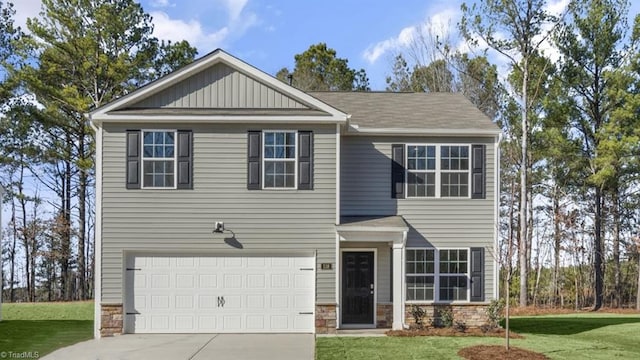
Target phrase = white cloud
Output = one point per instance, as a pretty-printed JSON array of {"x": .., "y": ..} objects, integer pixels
[
  {"x": 26, "y": 9},
  {"x": 438, "y": 24},
  {"x": 161, "y": 3},
  {"x": 166, "y": 28},
  {"x": 235, "y": 7}
]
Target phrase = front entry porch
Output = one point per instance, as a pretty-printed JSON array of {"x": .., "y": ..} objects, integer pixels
[{"x": 371, "y": 272}]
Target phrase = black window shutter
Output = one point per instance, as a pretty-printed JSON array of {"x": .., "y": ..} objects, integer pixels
[
  {"x": 477, "y": 274},
  {"x": 305, "y": 160},
  {"x": 185, "y": 159},
  {"x": 397, "y": 171},
  {"x": 133, "y": 159},
  {"x": 254, "y": 152},
  {"x": 478, "y": 172}
]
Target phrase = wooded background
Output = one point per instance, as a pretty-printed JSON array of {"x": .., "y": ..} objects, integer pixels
[{"x": 568, "y": 102}]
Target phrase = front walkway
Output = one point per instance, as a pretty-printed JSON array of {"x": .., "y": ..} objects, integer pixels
[{"x": 192, "y": 346}]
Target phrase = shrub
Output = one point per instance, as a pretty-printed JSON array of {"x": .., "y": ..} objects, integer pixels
[
  {"x": 460, "y": 326},
  {"x": 495, "y": 313},
  {"x": 418, "y": 314},
  {"x": 446, "y": 317},
  {"x": 443, "y": 317}
]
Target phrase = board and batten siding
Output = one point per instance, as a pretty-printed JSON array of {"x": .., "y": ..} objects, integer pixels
[
  {"x": 446, "y": 222},
  {"x": 265, "y": 222},
  {"x": 220, "y": 86}
]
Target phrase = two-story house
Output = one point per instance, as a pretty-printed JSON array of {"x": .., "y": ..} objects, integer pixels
[{"x": 229, "y": 201}]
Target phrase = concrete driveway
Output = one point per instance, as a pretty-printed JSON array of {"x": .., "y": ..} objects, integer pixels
[{"x": 192, "y": 346}]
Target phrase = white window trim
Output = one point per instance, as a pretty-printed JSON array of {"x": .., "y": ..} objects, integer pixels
[
  {"x": 295, "y": 166},
  {"x": 175, "y": 160},
  {"x": 436, "y": 275},
  {"x": 437, "y": 171}
]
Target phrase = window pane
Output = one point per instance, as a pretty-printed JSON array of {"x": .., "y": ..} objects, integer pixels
[
  {"x": 431, "y": 151},
  {"x": 158, "y": 137},
  {"x": 464, "y": 151},
  {"x": 444, "y": 151},
  {"x": 168, "y": 137},
  {"x": 168, "y": 151},
  {"x": 411, "y": 255},
  {"x": 148, "y": 151},
  {"x": 291, "y": 152},
  {"x": 148, "y": 138},
  {"x": 158, "y": 173},
  {"x": 291, "y": 138},
  {"x": 268, "y": 152},
  {"x": 269, "y": 138},
  {"x": 412, "y": 151}
]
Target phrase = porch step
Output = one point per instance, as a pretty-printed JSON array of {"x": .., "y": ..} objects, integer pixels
[{"x": 362, "y": 332}]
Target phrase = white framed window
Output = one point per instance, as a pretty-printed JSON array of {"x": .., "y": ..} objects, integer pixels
[
  {"x": 420, "y": 274},
  {"x": 159, "y": 159},
  {"x": 454, "y": 274},
  {"x": 438, "y": 171},
  {"x": 437, "y": 275},
  {"x": 279, "y": 159}
]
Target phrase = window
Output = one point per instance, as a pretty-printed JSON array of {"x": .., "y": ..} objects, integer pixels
[
  {"x": 420, "y": 274},
  {"x": 437, "y": 274},
  {"x": 453, "y": 274},
  {"x": 438, "y": 170},
  {"x": 454, "y": 167},
  {"x": 280, "y": 159},
  {"x": 158, "y": 159},
  {"x": 421, "y": 166}
]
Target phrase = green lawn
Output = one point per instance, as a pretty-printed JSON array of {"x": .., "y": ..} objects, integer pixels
[
  {"x": 44, "y": 327},
  {"x": 579, "y": 336}
]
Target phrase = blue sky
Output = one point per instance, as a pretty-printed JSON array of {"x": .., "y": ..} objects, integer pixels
[{"x": 268, "y": 34}]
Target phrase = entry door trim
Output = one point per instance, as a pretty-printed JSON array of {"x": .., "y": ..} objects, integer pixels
[{"x": 375, "y": 288}]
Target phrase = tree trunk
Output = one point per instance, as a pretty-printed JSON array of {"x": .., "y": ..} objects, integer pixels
[
  {"x": 638, "y": 289},
  {"x": 12, "y": 281},
  {"x": 597, "y": 248},
  {"x": 524, "y": 261},
  {"x": 557, "y": 238},
  {"x": 615, "y": 203},
  {"x": 65, "y": 248},
  {"x": 82, "y": 215}
]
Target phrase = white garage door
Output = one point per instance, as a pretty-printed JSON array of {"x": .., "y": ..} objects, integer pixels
[{"x": 186, "y": 294}]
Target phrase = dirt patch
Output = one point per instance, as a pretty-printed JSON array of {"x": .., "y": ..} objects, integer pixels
[
  {"x": 492, "y": 352},
  {"x": 532, "y": 310},
  {"x": 452, "y": 332}
]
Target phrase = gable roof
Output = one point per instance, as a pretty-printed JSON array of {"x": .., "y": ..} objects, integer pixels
[
  {"x": 217, "y": 87},
  {"x": 410, "y": 113}
]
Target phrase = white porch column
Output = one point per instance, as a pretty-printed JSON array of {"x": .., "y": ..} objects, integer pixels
[{"x": 398, "y": 285}]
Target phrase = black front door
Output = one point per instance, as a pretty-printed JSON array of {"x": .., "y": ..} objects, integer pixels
[{"x": 357, "y": 287}]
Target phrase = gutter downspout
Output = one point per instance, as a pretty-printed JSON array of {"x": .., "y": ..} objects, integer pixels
[{"x": 97, "y": 251}]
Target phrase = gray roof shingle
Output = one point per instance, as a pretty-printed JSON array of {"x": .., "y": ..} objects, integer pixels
[{"x": 388, "y": 110}]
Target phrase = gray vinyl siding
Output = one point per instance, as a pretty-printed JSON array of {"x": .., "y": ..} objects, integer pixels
[
  {"x": 220, "y": 86},
  {"x": 440, "y": 223},
  {"x": 265, "y": 222}
]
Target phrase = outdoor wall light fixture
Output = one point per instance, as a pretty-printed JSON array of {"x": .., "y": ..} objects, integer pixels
[{"x": 218, "y": 227}]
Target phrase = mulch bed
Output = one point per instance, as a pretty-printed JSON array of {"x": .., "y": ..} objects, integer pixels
[
  {"x": 452, "y": 332},
  {"x": 493, "y": 352}
]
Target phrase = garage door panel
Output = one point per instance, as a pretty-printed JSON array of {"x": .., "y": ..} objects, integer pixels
[{"x": 220, "y": 294}]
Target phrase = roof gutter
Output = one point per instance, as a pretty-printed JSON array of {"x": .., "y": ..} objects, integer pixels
[{"x": 357, "y": 130}]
